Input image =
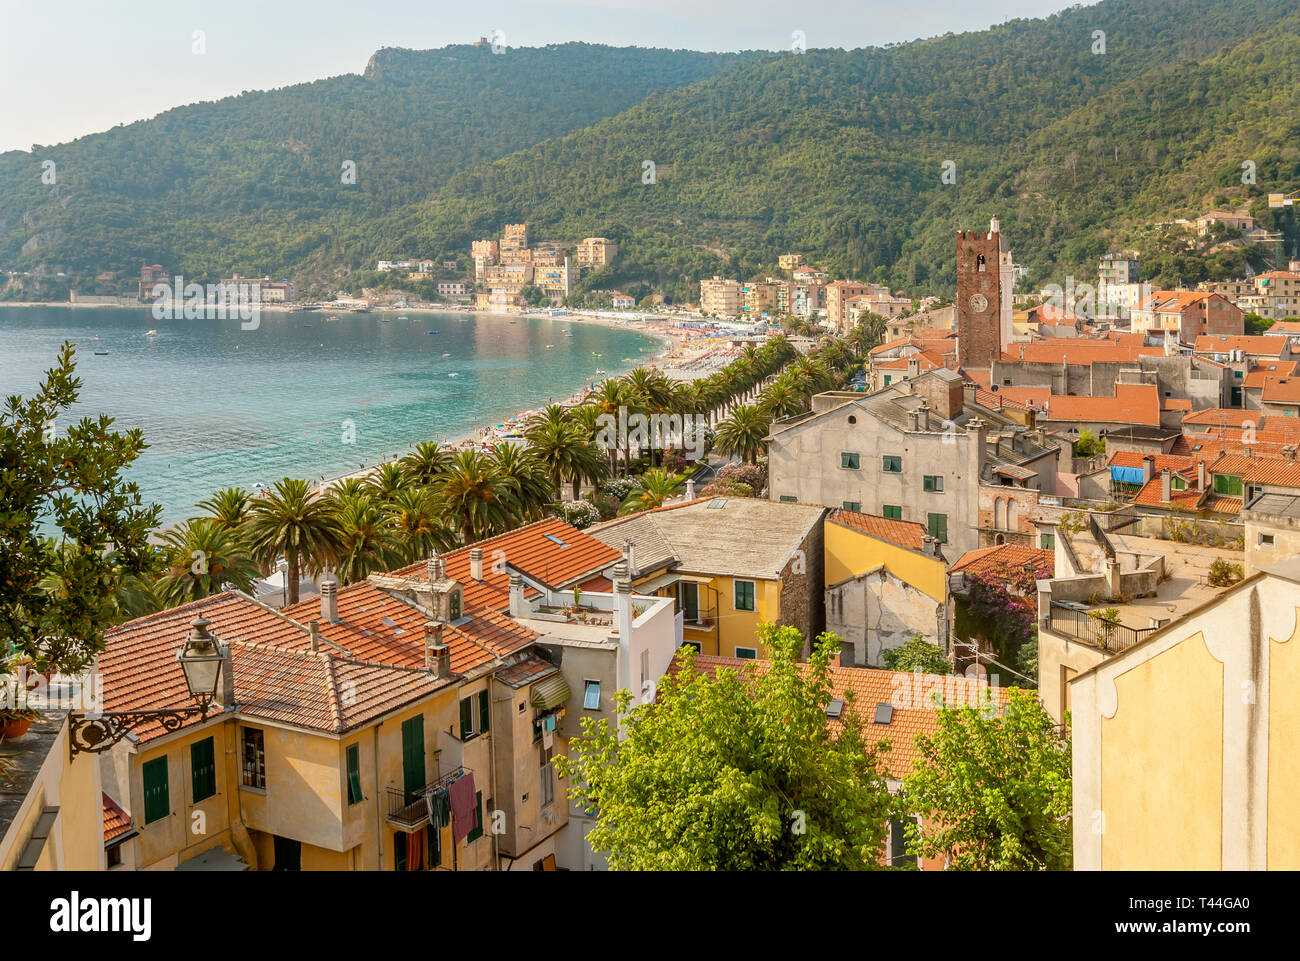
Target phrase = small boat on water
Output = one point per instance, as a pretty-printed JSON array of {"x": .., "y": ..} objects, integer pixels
[
  {"x": 453, "y": 374},
  {"x": 403, "y": 318},
  {"x": 101, "y": 353},
  {"x": 151, "y": 333},
  {"x": 446, "y": 355},
  {"x": 385, "y": 320}
]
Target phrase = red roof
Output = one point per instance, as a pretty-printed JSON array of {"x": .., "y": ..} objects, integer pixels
[
  {"x": 1261, "y": 345},
  {"x": 1261, "y": 373},
  {"x": 907, "y": 534},
  {"x": 1172, "y": 462},
  {"x": 911, "y": 696},
  {"x": 1132, "y": 404},
  {"x": 1078, "y": 351},
  {"x": 1004, "y": 561},
  {"x": 116, "y": 821},
  {"x": 1277, "y": 471},
  {"x": 1281, "y": 390},
  {"x": 1150, "y": 496}
]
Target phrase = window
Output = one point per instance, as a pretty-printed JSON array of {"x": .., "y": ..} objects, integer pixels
[
  {"x": 891, "y": 464},
  {"x": 354, "y": 775},
  {"x": 474, "y": 722},
  {"x": 787, "y": 499},
  {"x": 416, "y": 851},
  {"x": 744, "y": 595},
  {"x": 898, "y": 856},
  {"x": 157, "y": 799},
  {"x": 888, "y": 379},
  {"x": 748, "y": 653},
  {"x": 203, "y": 769},
  {"x": 453, "y": 612},
  {"x": 938, "y": 525},
  {"x": 477, "y": 833},
  {"x": 114, "y": 856},
  {"x": 591, "y": 696},
  {"x": 893, "y": 512},
  {"x": 1177, "y": 484},
  {"x": 853, "y": 505},
  {"x": 413, "y": 754},
  {"x": 1238, "y": 374},
  {"x": 1265, "y": 540},
  {"x": 254, "y": 754},
  {"x": 1227, "y": 484},
  {"x": 547, "y": 777},
  {"x": 933, "y": 483},
  {"x": 688, "y": 600},
  {"x": 1047, "y": 541},
  {"x": 849, "y": 461}
]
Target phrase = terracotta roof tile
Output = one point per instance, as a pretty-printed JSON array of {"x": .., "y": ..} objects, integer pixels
[
  {"x": 1259, "y": 345},
  {"x": 1278, "y": 471},
  {"x": 1004, "y": 561},
  {"x": 1261, "y": 373},
  {"x": 116, "y": 821},
  {"x": 1132, "y": 404},
  {"x": 1281, "y": 390},
  {"x": 907, "y": 534}
]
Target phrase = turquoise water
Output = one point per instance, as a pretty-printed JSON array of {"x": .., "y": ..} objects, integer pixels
[{"x": 222, "y": 406}]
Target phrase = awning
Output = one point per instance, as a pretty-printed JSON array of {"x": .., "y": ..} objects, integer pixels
[
  {"x": 1126, "y": 475},
  {"x": 657, "y": 583},
  {"x": 695, "y": 579},
  {"x": 550, "y": 693}
]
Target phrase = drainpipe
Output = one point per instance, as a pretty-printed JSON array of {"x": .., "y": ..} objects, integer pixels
[
  {"x": 492, "y": 761},
  {"x": 379, "y": 814}
]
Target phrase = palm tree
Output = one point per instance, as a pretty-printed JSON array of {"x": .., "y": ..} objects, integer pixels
[
  {"x": 654, "y": 487},
  {"x": 473, "y": 496},
  {"x": 350, "y": 487},
  {"x": 608, "y": 398},
  {"x": 557, "y": 446},
  {"x": 366, "y": 540},
  {"x": 425, "y": 462},
  {"x": 531, "y": 491},
  {"x": 782, "y": 398},
  {"x": 298, "y": 523},
  {"x": 200, "y": 558},
  {"x": 229, "y": 507},
  {"x": 741, "y": 434},
  {"x": 417, "y": 529},
  {"x": 387, "y": 480}
]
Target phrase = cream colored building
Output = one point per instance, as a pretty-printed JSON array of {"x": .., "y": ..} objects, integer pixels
[
  {"x": 596, "y": 252},
  {"x": 720, "y": 297},
  {"x": 1183, "y": 750}
]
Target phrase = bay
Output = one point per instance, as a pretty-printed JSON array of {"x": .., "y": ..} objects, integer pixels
[{"x": 222, "y": 406}]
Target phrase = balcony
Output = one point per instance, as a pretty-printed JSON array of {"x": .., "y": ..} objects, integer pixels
[
  {"x": 1081, "y": 624},
  {"x": 706, "y": 620},
  {"x": 409, "y": 810}
]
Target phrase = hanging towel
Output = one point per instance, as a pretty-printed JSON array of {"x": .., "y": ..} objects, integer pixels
[
  {"x": 439, "y": 808},
  {"x": 464, "y": 808}
]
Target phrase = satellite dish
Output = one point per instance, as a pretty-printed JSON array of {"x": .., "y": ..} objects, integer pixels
[{"x": 976, "y": 670}]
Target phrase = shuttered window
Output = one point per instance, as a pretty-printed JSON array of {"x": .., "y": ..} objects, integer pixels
[
  {"x": 354, "y": 775},
  {"x": 413, "y": 754},
  {"x": 477, "y": 833},
  {"x": 484, "y": 712},
  {"x": 203, "y": 769},
  {"x": 939, "y": 527},
  {"x": 157, "y": 800}
]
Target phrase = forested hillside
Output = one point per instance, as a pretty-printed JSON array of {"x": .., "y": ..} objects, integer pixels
[{"x": 838, "y": 154}]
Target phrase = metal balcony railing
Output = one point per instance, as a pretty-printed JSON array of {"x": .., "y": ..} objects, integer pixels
[
  {"x": 410, "y": 809},
  {"x": 1106, "y": 635}
]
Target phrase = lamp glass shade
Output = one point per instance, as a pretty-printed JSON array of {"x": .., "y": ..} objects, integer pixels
[{"x": 201, "y": 659}]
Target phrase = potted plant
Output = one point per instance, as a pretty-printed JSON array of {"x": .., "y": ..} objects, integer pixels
[{"x": 15, "y": 716}]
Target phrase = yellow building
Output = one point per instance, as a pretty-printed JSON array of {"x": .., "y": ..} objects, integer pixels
[
  {"x": 1182, "y": 744},
  {"x": 732, "y": 563},
  {"x": 886, "y": 582},
  {"x": 51, "y": 812}
]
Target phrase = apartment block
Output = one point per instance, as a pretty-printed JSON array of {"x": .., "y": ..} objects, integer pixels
[
  {"x": 596, "y": 252},
  {"x": 721, "y": 297}
]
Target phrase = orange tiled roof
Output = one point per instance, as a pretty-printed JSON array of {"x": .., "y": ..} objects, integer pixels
[
  {"x": 914, "y": 713},
  {"x": 1279, "y": 471},
  {"x": 528, "y": 550},
  {"x": 1132, "y": 404},
  {"x": 1077, "y": 351},
  {"x": 1004, "y": 560},
  {"x": 907, "y": 534},
  {"x": 1172, "y": 462},
  {"x": 276, "y": 675},
  {"x": 116, "y": 821},
  {"x": 1025, "y": 396},
  {"x": 1261, "y": 345},
  {"x": 1150, "y": 496},
  {"x": 1286, "y": 327},
  {"x": 1260, "y": 373},
  {"x": 1281, "y": 390}
]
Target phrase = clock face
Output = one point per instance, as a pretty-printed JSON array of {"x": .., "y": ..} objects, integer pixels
[{"x": 979, "y": 303}]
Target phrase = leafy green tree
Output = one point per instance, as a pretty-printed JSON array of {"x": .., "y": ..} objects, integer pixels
[
  {"x": 918, "y": 654},
  {"x": 74, "y": 486},
  {"x": 1089, "y": 444},
  {"x": 653, "y": 489},
  {"x": 294, "y": 521},
  {"x": 738, "y": 772},
  {"x": 993, "y": 791},
  {"x": 417, "y": 528},
  {"x": 201, "y": 557}
]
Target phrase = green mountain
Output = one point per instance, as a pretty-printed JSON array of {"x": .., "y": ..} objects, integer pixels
[
  {"x": 255, "y": 183},
  {"x": 837, "y": 154}
]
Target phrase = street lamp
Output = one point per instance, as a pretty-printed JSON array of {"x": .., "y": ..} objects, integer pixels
[
  {"x": 282, "y": 566},
  {"x": 201, "y": 657}
]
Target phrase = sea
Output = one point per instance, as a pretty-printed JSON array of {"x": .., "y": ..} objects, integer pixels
[{"x": 312, "y": 395}]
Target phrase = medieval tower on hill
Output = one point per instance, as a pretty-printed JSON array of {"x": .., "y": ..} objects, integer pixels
[{"x": 985, "y": 276}]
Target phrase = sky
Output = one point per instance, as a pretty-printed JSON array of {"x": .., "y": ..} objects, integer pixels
[{"x": 82, "y": 66}]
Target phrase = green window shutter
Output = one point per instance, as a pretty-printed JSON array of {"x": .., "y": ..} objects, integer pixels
[
  {"x": 744, "y": 595},
  {"x": 477, "y": 833},
  {"x": 203, "y": 769},
  {"x": 893, "y": 512},
  {"x": 399, "y": 851},
  {"x": 413, "y": 754},
  {"x": 939, "y": 527},
  {"x": 787, "y": 499},
  {"x": 849, "y": 461},
  {"x": 157, "y": 801},
  {"x": 466, "y": 718},
  {"x": 853, "y": 505},
  {"x": 354, "y": 775},
  {"x": 1047, "y": 542},
  {"x": 484, "y": 712},
  {"x": 928, "y": 484}
]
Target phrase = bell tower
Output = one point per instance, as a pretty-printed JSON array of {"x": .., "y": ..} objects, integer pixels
[{"x": 981, "y": 300}]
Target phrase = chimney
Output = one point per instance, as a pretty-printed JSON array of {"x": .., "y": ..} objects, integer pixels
[
  {"x": 437, "y": 655},
  {"x": 329, "y": 599},
  {"x": 1148, "y": 467},
  {"x": 931, "y": 545},
  {"x": 435, "y": 568},
  {"x": 1165, "y": 486},
  {"x": 476, "y": 563},
  {"x": 914, "y": 419},
  {"x": 313, "y": 629},
  {"x": 925, "y": 413},
  {"x": 622, "y": 603},
  {"x": 517, "y": 608},
  {"x": 1201, "y": 479},
  {"x": 690, "y": 489},
  {"x": 629, "y": 556},
  {"x": 913, "y": 366}
]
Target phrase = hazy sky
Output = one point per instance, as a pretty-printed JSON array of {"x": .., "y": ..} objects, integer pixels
[{"x": 81, "y": 66}]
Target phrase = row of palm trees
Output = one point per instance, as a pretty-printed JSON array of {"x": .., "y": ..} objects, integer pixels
[{"x": 436, "y": 499}]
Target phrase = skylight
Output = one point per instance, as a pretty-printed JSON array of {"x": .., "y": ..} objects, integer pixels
[
  {"x": 717, "y": 503},
  {"x": 884, "y": 712},
  {"x": 835, "y": 708},
  {"x": 553, "y": 538}
]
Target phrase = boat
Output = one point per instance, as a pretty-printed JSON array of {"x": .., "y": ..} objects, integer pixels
[
  {"x": 385, "y": 320},
  {"x": 446, "y": 355},
  {"x": 151, "y": 333},
  {"x": 101, "y": 353},
  {"x": 453, "y": 374},
  {"x": 403, "y": 318}
]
